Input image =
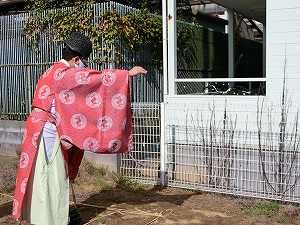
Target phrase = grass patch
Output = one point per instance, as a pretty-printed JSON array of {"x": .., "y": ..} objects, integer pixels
[
  {"x": 88, "y": 170},
  {"x": 266, "y": 209},
  {"x": 97, "y": 177},
  {"x": 129, "y": 184}
]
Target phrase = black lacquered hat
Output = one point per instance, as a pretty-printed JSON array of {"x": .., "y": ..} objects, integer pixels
[{"x": 80, "y": 44}]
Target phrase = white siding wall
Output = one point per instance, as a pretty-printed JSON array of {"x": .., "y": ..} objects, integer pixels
[
  {"x": 240, "y": 109},
  {"x": 283, "y": 44}
]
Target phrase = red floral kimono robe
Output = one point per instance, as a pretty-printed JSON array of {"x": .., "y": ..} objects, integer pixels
[{"x": 93, "y": 113}]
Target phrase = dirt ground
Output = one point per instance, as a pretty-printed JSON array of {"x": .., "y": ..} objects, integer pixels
[{"x": 144, "y": 205}]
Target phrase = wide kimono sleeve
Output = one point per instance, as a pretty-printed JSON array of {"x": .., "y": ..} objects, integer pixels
[{"x": 93, "y": 110}]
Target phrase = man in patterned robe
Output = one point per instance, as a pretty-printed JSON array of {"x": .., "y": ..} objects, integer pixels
[{"x": 74, "y": 109}]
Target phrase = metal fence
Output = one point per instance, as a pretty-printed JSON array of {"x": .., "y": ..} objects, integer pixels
[
  {"x": 143, "y": 164},
  {"x": 214, "y": 157},
  {"x": 210, "y": 153}
]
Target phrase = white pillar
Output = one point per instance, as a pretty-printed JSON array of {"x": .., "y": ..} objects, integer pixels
[
  {"x": 165, "y": 49},
  {"x": 172, "y": 46},
  {"x": 163, "y": 160}
]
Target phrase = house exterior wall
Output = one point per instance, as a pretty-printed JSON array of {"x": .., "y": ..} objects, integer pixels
[
  {"x": 256, "y": 130},
  {"x": 283, "y": 44}
]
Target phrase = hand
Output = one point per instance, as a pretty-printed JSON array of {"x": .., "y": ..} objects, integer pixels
[{"x": 136, "y": 70}]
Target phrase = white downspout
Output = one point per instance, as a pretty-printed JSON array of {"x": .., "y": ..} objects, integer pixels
[{"x": 163, "y": 155}]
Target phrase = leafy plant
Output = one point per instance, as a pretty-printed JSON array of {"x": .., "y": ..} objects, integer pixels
[
  {"x": 58, "y": 19},
  {"x": 129, "y": 184},
  {"x": 133, "y": 29}
]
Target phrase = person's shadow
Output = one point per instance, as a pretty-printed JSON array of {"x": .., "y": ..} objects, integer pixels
[
  {"x": 105, "y": 199},
  {"x": 6, "y": 209}
]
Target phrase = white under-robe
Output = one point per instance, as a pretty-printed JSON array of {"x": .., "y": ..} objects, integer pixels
[{"x": 46, "y": 201}]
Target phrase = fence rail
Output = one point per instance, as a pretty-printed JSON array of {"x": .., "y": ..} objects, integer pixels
[{"x": 234, "y": 168}]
